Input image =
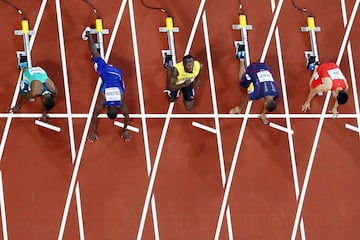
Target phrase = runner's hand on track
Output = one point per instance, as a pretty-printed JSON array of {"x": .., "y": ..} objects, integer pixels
[
  {"x": 305, "y": 107},
  {"x": 93, "y": 136},
  {"x": 13, "y": 109},
  {"x": 335, "y": 112},
  {"x": 125, "y": 135}
]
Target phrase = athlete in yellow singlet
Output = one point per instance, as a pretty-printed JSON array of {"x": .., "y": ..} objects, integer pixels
[{"x": 182, "y": 77}]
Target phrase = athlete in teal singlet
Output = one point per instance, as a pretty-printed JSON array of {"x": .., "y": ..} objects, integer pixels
[{"x": 36, "y": 83}]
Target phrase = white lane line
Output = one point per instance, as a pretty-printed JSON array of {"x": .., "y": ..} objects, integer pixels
[
  {"x": 271, "y": 31},
  {"x": 242, "y": 131},
  {"x": 162, "y": 140},
  {"x": 351, "y": 65},
  {"x": 204, "y": 127},
  {"x": 288, "y": 121},
  {"x": 68, "y": 110},
  {"x": 10, "y": 116},
  {"x": 2, "y": 207},
  {"x": 86, "y": 128},
  {"x": 217, "y": 122},
  {"x": 318, "y": 131},
  {"x": 196, "y": 23},
  {"x": 143, "y": 118},
  {"x": 46, "y": 125},
  {"x": 131, "y": 128},
  {"x": 189, "y": 115}
]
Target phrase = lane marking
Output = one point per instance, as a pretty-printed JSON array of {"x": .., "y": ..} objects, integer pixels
[
  {"x": 204, "y": 127},
  {"x": 189, "y": 115},
  {"x": 319, "y": 128},
  {"x": 288, "y": 121},
  {"x": 86, "y": 128},
  {"x": 242, "y": 132},
  {"x": 9, "y": 117},
  {"x": 353, "y": 128},
  {"x": 162, "y": 140},
  {"x": 131, "y": 128},
  {"x": 216, "y": 119},
  {"x": 143, "y": 118},
  {"x": 352, "y": 68},
  {"x": 68, "y": 110},
  {"x": 281, "y": 128},
  {"x": 47, "y": 125}
]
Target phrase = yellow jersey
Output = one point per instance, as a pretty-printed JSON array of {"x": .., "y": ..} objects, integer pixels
[{"x": 183, "y": 76}]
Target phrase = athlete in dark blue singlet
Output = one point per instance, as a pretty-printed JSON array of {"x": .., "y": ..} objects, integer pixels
[
  {"x": 258, "y": 82},
  {"x": 111, "y": 92}
]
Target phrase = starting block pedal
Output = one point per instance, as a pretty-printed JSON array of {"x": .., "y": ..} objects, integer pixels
[
  {"x": 242, "y": 24},
  {"x": 169, "y": 26},
  {"x": 164, "y": 53}
]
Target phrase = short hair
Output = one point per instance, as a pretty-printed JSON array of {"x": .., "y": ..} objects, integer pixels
[
  {"x": 270, "y": 105},
  {"x": 112, "y": 112},
  {"x": 342, "y": 97},
  {"x": 187, "y": 57},
  {"x": 48, "y": 102}
]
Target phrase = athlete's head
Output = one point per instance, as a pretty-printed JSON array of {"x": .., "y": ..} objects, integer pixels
[
  {"x": 270, "y": 104},
  {"x": 342, "y": 97},
  {"x": 112, "y": 112},
  {"x": 48, "y": 102},
  {"x": 188, "y": 62}
]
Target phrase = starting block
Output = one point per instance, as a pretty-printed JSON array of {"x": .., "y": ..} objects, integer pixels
[
  {"x": 312, "y": 57},
  {"x": 99, "y": 31},
  {"x": 243, "y": 27},
  {"x": 169, "y": 29},
  {"x": 24, "y": 56}
]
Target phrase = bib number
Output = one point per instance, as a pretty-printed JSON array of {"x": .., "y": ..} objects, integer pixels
[
  {"x": 335, "y": 74},
  {"x": 36, "y": 70},
  {"x": 112, "y": 94},
  {"x": 265, "y": 76}
]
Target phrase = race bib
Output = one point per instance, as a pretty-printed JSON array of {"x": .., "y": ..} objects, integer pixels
[
  {"x": 336, "y": 74},
  {"x": 112, "y": 94},
  {"x": 265, "y": 76},
  {"x": 36, "y": 70}
]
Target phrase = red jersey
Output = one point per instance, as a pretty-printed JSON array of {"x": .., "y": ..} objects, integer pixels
[{"x": 332, "y": 71}]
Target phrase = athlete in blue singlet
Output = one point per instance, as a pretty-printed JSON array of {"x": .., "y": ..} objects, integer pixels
[
  {"x": 36, "y": 83},
  {"x": 111, "y": 92},
  {"x": 258, "y": 82}
]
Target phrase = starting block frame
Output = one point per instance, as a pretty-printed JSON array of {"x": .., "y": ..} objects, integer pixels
[
  {"x": 169, "y": 29},
  {"x": 26, "y": 33},
  {"x": 312, "y": 29},
  {"x": 243, "y": 27},
  {"x": 99, "y": 31}
]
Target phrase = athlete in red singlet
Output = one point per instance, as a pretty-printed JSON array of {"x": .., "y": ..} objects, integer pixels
[{"x": 328, "y": 77}]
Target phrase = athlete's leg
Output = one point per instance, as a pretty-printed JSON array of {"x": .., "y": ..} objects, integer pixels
[
  {"x": 188, "y": 95},
  {"x": 91, "y": 44}
]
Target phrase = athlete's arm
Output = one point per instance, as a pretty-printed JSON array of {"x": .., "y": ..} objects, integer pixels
[
  {"x": 51, "y": 85},
  {"x": 125, "y": 111},
  {"x": 171, "y": 80},
  {"x": 243, "y": 102},
  {"x": 311, "y": 95},
  {"x": 100, "y": 105}
]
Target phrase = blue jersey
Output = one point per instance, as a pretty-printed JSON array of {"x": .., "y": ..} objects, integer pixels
[
  {"x": 112, "y": 83},
  {"x": 259, "y": 82}
]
